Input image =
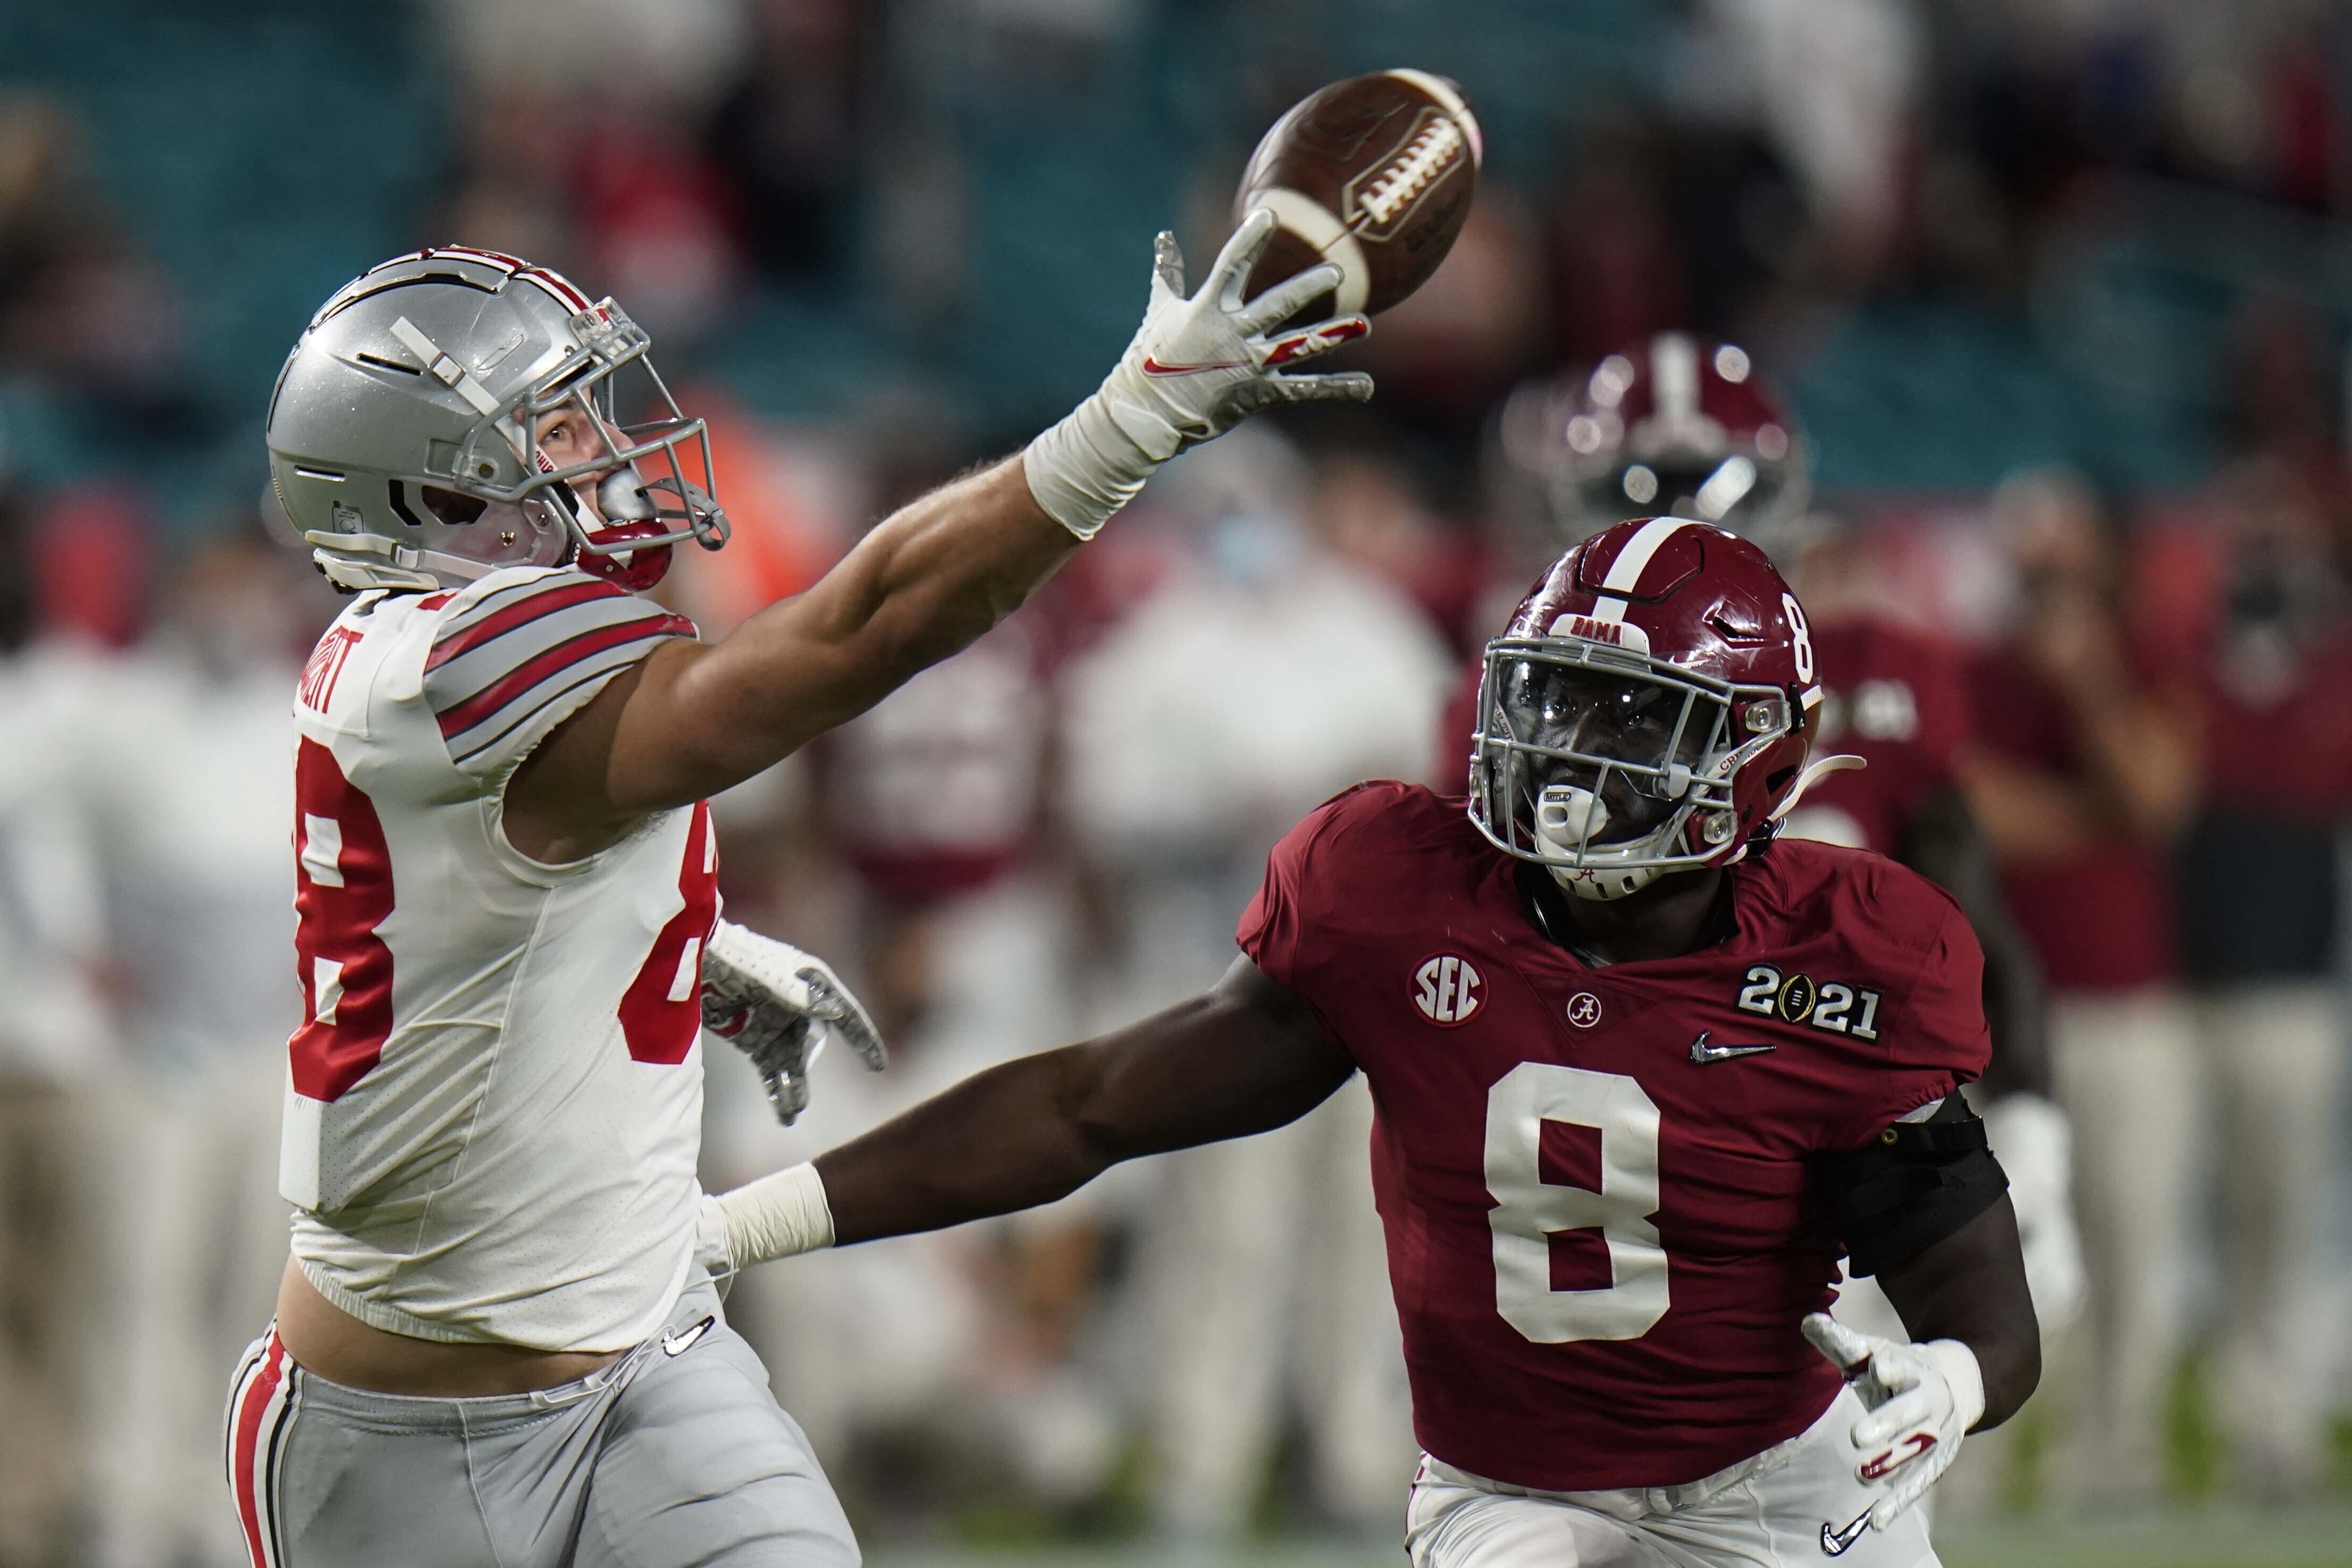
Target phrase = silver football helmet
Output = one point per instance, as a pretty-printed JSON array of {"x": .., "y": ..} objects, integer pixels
[{"x": 404, "y": 431}]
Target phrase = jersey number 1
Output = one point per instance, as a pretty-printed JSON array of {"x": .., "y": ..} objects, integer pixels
[{"x": 1531, "y": 1209}]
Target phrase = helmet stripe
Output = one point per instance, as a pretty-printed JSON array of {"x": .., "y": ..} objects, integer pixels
[
  {"x": 566, "y": 292},
  {"x": 497, "y": 258},
  {"x": 1625, "y": 572}
]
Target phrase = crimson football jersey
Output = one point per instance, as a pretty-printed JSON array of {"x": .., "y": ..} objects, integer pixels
[{"x": 1594, "y": 1183}]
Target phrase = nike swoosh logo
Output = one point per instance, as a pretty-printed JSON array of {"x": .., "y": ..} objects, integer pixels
[
  {"x": 1703, "y": 1053},
  {"x": 1837, "y": 1543},
  {"x": 679, "y": 1344},
  {"x": 1152, "y": 367}
]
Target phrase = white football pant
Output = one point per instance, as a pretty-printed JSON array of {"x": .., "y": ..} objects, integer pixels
[{"x": 1796, "y": 1502}]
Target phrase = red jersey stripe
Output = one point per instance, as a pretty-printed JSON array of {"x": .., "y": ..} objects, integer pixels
[
  {"x": 492, "y": 698},
  {"x": 520, "y": 613}
]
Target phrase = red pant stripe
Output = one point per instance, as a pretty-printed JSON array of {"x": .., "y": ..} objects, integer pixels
[{"x": 245, "y": 1456}]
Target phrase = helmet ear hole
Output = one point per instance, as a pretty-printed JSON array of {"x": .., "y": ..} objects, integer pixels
[{"x": 451, "y": 506}]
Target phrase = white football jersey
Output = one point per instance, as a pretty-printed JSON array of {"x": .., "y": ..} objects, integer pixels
[{"x": 493, "y": 1106}]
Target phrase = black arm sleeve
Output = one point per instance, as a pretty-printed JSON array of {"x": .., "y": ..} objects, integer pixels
[{"x": 1909, "y": 1187}]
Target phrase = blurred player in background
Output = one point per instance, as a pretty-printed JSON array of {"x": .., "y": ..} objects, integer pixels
[
  {"x": 2261, "y": 890},
  {"x": 1639, "y": 1073},
  {"x": 1272, "y": 673},
  {"x": 509, "y": 939},
  {"x": 57, "y": 1044},
  {"x": 180, "y": 796},
  {"x": 953, "y": 1364}
]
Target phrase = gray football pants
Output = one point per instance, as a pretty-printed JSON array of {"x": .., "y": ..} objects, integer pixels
[{"x": 677, "y": 1454}]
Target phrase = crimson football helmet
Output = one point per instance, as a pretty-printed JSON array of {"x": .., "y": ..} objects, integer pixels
[
  {"x": 1647, "y": 710},
  {"x": 1680, "y": 424}
]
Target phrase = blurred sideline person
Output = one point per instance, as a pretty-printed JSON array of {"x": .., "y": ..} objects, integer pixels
[
  {"x": 1263, "y": 675},
  {"x": 1692, "y": 425},
  {"x": 2084, "y": 776},
  {"x": 57, "y": 1046},
  {"x": 954, "y": 1356},
  {"x": 507, "y": 937},
  {"x": 2260, "y": 872},
  {"x": 182, "y": 796},
  {"x": 1640, "y": 1074},
  {"x": 944, "y": 1367},
  {"x": 1899, "y": 698}
]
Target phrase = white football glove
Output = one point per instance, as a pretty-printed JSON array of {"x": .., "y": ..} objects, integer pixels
[
  {"x": 778, "y": 1006},
  {"x": 1922, "y": 1399},
  {"x": 2034, "y": 1143},
  {"x": 1200, "y": 364}
]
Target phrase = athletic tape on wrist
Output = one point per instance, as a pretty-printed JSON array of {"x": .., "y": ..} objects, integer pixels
[
  {"x": 1084, "y": 469},
  {"x": 777, "y": 1216}
]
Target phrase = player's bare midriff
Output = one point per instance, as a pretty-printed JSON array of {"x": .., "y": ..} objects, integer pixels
[{"x": 330, "y": 1343}]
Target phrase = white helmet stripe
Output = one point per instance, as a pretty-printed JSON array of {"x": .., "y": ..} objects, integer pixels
[
  {"x": 1673, "y": 377},
  {"x": 1625, "y": 572}
]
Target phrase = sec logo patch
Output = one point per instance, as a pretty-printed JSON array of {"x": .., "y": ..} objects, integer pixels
[
  {"x": 1445, "y": 989},
  {"x": 1584, "y": 1010}
]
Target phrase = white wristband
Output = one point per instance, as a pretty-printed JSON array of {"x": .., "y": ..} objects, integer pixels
[
  {"x": 775, "y": 1217},
  {"x": 1090, "y": 464},
  {"x": 1955, "y": 1360}
]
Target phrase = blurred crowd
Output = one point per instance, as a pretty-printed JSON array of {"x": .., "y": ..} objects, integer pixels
[{"x": 2147, "y": 640}]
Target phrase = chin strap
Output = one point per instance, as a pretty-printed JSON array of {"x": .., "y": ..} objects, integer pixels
[
  {"x": 344, "y": 559},
  {"x": 1813, "y": 770}
]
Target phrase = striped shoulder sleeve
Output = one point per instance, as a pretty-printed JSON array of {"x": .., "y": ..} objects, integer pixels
[{"x": 507, "y": 666}]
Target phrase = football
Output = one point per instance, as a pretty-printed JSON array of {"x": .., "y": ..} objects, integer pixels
[{"x": 1374, "y": 174}]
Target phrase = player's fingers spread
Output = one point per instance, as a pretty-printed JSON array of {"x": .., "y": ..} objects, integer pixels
[
  {"x": 1350, "y": 386},
  {"x": 1899, "y": 1499},
  {"x": 1905, "y": 1413},
  {"x": 859, "y": 1031},
  {"x": 1898, "y": 1371},
  {"x": 1287, "y": 299},
  {"x": 1241, "y": 254},
  {"x": 789, "y": 1095},
  {"x": 1320, "y": 338},
  {"x": 825, "y": 997},
  {"x": 1848, "y": 1351},
  {"x": 1167, "y": 267}
]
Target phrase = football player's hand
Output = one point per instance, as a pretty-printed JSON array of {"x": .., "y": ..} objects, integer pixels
[
  {"x": 1201, "y": 363},
  {"x": 1920, "y": 1399},
  {"x": 2034, "y": 1143},
  {"x": 778, "y": 1006}
]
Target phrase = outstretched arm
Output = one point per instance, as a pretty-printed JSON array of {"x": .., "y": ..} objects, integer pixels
[
  {"x": 690, "y": 720},
  {"x": 1242, "y": 1058}
]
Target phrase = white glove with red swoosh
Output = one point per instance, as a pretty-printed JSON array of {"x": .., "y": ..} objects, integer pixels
[
  {"x": 1922, "y": 1399},
  {"x": 1200, "y": 364}
]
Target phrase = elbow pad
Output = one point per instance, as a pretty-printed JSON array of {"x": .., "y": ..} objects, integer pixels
[{"x": 1913, "y": 1185}]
